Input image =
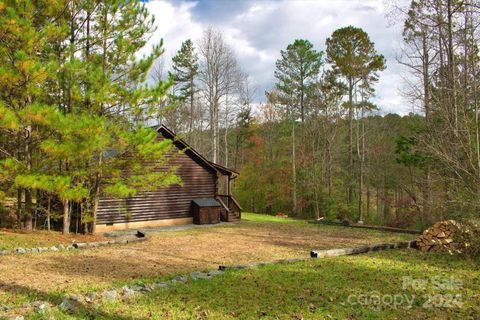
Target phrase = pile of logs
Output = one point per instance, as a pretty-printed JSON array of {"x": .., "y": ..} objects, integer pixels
[{"x": 439, "y": 237}]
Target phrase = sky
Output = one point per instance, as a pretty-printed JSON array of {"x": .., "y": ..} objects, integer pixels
[{"x": 258, "y": 30}]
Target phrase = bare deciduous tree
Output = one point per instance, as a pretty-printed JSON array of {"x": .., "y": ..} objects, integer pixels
[{"x": 218, "y": 78}]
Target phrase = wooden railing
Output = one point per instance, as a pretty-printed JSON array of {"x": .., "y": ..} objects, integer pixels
[{"x": 231, "y": 204}]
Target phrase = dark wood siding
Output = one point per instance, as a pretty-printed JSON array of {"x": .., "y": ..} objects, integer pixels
[{"x": 172, "y": 202}]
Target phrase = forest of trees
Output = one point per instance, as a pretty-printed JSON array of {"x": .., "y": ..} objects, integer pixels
[
  {"x": 74, "y": 95},
  {"x": 320, "y": 147}
]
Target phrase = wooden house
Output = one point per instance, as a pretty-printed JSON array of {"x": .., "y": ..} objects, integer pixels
[{"x": 172, "y": 205}]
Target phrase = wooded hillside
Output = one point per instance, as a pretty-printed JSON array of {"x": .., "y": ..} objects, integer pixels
[{"x": 319, "y": 146}]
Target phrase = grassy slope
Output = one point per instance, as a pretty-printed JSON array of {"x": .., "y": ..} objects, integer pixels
[{"x": 315, "y": 289}]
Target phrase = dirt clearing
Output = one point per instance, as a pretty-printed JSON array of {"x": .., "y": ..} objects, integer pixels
[{"x": 175, "y": 252}]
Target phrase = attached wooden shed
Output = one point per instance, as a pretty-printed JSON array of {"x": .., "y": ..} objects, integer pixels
[
  {"x": 172, "y": 205},
  {"x": 206, "y": 211}
]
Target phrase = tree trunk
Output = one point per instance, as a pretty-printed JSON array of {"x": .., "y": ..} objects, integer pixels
[
  {"x": 426, "y": 81},
  {"x": 368, "y": 200},
  {"x": 49, "y": 200},
  {"x": 96, "y": 196},
  {"x": 451, "y": 66},
  {"x": 378, "y": 198},
  {"x": 329, "y": 169},
  {"x": 19, "y": 205},
  {"x": 225, "y": 136},
  {"x": 350, "y": 142},
  {"x": 35, "y": 215},
  {"x": 192, "y": 111},
  {"x": 302, "y": 148},
  {"x": 294, "y": 173},
  {"x": 386, "y": 200},
  {"x": 66, "y": 217},
  {"x": 214, "y": 126},
  {"x": 28, "y": 191},
  {"x": 362, "y": 163},
  {"x": 475, "y": 100},
  {"x": 315, "y": 193},
  {"x": 426, "y": 198}
]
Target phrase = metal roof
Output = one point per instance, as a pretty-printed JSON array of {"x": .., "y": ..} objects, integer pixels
[
  {"x": 206, "y": 202},
  {"x": 216, "y": 167}
]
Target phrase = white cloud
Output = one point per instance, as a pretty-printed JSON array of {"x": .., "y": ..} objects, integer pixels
[
  {"x": 174, "y": 23},
  {"x": 257, "y": 31}
]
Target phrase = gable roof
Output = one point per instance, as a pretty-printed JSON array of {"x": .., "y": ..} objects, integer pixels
[{"x": 168, "y": 133}]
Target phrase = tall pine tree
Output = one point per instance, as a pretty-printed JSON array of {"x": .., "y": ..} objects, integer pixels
[
  {"x": 296, "y": 72},
  {"x": 73, "y": 104},
  {"x": 353, "y": 56},
  {"x": 184, "y": 71}
]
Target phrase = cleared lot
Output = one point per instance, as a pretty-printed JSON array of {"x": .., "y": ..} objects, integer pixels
[{"x": 257, "y": 238}]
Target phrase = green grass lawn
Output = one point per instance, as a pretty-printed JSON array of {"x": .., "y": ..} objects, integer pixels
[
  {"x": 268, "y": 218},
  {"x": 383, "y": 236},
  {"x": 330, "y": 288},
  {"x": 345, "y": 287}
]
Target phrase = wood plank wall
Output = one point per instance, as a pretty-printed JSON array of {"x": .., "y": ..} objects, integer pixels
[{"x": 172, "y": 202}]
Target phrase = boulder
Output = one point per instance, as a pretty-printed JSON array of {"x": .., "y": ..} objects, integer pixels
[
  {"x": 67, "y": 306},
  {"x": 214, "y": 273},
  {"x": 40, "y": 306},
  {"x": 110, "y": 295},
  {"x": 181, "y": 279},
  {"x": 90, "y": 297},
  {"x": 127, "y": 292},
  {"x": 75, "y": 297},
  {"x": 160, "y": 285},
  {"x": 196, "y": 275}
]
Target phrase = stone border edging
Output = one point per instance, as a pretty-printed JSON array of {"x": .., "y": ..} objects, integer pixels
[
  {"x": 260, "y": 264},
  {"x": 327, "y": 253},
  {"x": 80, "y": 245},
  {"x": 70, "y": 302},
  {"x": 361, "y": 249},
  {"x": 380, "y": 228}
]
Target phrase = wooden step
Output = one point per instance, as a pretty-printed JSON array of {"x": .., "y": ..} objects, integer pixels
[{"x": 233, "y": 217}]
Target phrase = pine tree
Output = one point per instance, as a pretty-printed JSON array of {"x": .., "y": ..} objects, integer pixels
[
  {"x": 114, "y": 76},
  {"x": 185, "y": 70},
  {"x": 74, "y": 103},
  {"x": 354, "y": 57},
  {"x": 26, "y": 65},
  {"x": 296, "y": 72}
]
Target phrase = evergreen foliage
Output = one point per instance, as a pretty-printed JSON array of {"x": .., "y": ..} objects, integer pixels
[{"x": 74, "y": 104}]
